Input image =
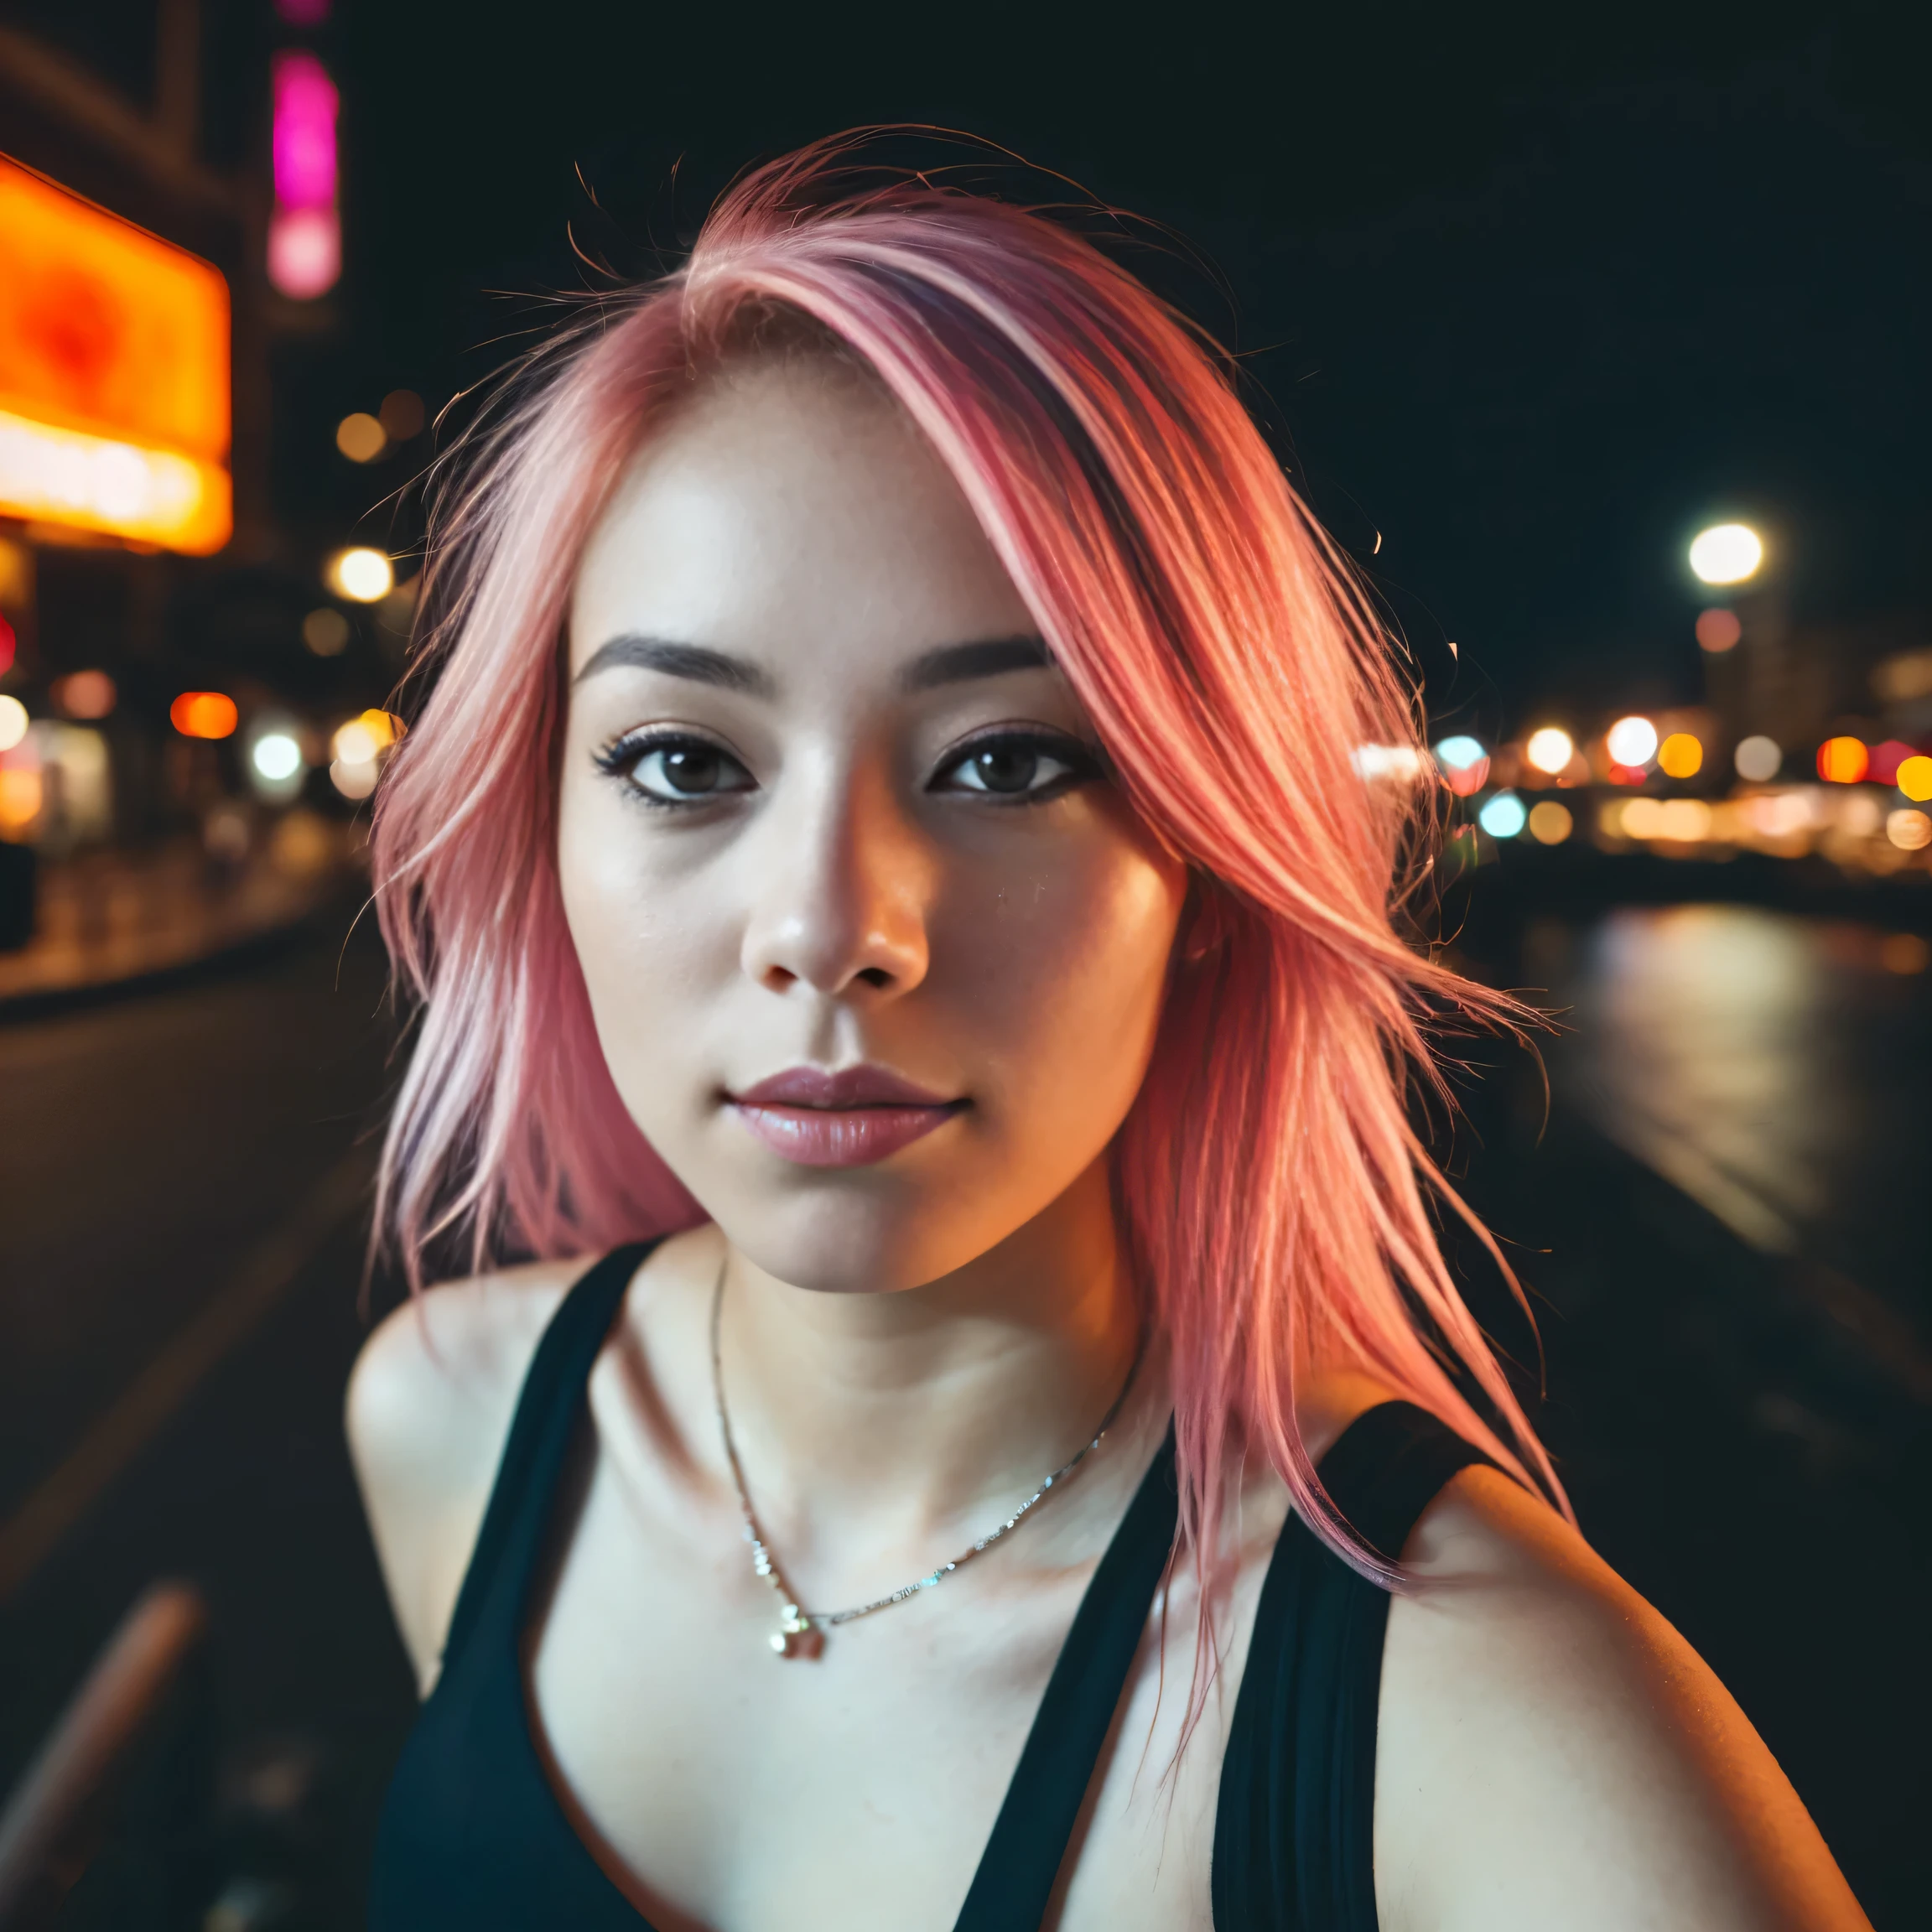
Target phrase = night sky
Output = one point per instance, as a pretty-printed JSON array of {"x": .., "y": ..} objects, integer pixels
[{"x": 1530, "y": 294}]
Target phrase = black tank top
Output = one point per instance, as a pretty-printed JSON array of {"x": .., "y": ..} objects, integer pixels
[{"x": 474, "y": 1839}]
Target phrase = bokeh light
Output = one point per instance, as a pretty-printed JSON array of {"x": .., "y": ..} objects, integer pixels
[
  {"x": 204, "y": 714},
  {"x": 1727, "y": 553},
  {"x": 362, "y": 575},
  {"x": 304, "y": 251},
  {"x": 86, "y": 694},
  {"x": 1550, "y": 823},
  {"x": 357, "y": 749},
  {"x": 1843, "y": 761},
  {"x": 1680, "y": 755},
  {"x": 364, "y": 737},
  {"x": 361, "y": 438},
  {"x": 1886, "y": 759},
  {"x": 1914, "y": 778},
  {"x": 1642, "y": 818},
  {"x": 1909, "y": 829},
  {"x": 1631, "y": 741},
  {"x": 1718, "y": 629},
  {"x": 1503, "y": 816},
  {"x": 1550, "y": 749},
  {"x": 305, "y": 226},
  {"x": 12, "y": 722},
  {"x": 1401, "y": 763},
  {"x": 21, "y": 794},
  {"x": 1904, "y": 952},
  {"x": 1685, "y": 819},
  {"x": 402, "y": 415},
  {"x": 354, "y": 778},
  {"x": 1464, "y": 764},
  {"x": 325, "y": 633},
  {"x": 276, "y": 756},
  {"x": 1758, "y": 759},
  {"x": 278, "y": 767}
]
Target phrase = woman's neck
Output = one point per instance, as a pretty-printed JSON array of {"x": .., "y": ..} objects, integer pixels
[{"x": 875, "y": 1427}]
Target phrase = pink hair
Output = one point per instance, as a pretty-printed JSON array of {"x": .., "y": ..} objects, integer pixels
[{"x": 1274, "y": 1193}]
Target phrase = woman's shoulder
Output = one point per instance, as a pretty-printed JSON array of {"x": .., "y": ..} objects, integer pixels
[
  {"x": 429, "y": 1410},
  {"x": 1551, "y": 1751},
  {"x": 447, "y": 1365}
]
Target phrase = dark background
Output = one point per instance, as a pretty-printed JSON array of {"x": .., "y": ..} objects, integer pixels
[{"x": 1531, "y": 293}]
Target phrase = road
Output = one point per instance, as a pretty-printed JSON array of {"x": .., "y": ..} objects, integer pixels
[
  {"x": 1743, "y": 1423},
  {"x": 183, "y": 1192}
]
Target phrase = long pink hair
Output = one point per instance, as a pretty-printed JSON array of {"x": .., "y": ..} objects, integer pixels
[{"x": 1276, "y": 1196}]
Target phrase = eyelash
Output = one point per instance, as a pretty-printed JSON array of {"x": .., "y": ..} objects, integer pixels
[{"x": 620, "y": 758}]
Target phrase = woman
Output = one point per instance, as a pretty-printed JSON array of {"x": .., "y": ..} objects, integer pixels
[{"x": 888, "y": 858}]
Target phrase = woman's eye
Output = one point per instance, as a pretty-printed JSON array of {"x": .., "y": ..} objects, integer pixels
[
  {"x": 677, "y": 770},
  {"x": 1015, "y": 768}
]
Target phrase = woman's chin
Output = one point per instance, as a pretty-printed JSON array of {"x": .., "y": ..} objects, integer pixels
[{"x": 854, "y": 1240}]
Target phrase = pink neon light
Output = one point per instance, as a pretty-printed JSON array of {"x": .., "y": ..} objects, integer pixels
[
  {"x": 305, "y": 105},
  {"x": 303, "y": 13},
  {"x": 304, "y": 251}
]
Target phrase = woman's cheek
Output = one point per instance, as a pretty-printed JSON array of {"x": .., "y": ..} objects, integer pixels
[
  {"x": 1066, "y": 985},
  {"x": 641, "y": 945}
]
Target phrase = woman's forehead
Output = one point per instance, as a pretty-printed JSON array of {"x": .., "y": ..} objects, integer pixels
[{"x": 792, "y": 509}]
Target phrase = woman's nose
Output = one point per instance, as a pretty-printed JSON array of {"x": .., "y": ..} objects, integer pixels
[{"x": 841, "y": 900}]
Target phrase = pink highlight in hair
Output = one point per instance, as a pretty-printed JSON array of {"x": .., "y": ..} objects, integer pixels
[{"x": 1276, "y": 1196}]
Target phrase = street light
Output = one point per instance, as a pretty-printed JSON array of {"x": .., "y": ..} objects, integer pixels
[{"x": 1727, "y": 553}]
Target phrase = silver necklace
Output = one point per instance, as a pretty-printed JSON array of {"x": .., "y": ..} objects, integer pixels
[{"x": 800, "y": 1632}]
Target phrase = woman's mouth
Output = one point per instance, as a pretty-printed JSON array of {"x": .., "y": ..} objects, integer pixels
[{"x": 848, "y": 1119}]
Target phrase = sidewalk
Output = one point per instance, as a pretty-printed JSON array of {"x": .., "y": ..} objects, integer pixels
[{"x": 107, "y": 916}]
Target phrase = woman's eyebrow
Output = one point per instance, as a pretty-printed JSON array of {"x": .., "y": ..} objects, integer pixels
[
  {"x": 696, "y": 662},
  {"x": 949, "y": 664},
  {"x": 956, "y": 663}
]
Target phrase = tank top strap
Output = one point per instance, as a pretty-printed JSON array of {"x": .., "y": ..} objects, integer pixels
[
  {"x": 1295, "y": 1828},
  {"x": 1388, "y": 1466},
  {"x": 510, "y": 1540},
  {"x": 1014, "y": 1884}
]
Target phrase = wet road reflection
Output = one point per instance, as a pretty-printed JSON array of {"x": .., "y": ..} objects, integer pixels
[{"x": 1774, "y": 1068}]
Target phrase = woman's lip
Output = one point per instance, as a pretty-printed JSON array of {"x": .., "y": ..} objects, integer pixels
[
  {"x": 840, "y": 1136},
  {"x": 860, "y": 1086}
]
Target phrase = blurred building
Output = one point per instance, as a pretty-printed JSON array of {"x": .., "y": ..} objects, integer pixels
[
  {"x": 1797, "y": 682},
  {"x": 170, "y": 258}
]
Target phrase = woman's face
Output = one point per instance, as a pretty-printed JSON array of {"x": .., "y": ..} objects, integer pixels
[{"x": 875, "y": 954}]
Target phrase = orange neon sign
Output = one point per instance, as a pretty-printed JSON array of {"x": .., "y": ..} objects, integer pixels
[{"x": 113, "y": 373}]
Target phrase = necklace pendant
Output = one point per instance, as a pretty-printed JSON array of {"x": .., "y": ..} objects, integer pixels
[{"x": 797, "y": 1635}]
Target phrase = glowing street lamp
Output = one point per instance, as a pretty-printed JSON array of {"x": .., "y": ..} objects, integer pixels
[{"x": 1727, "y": 553}]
